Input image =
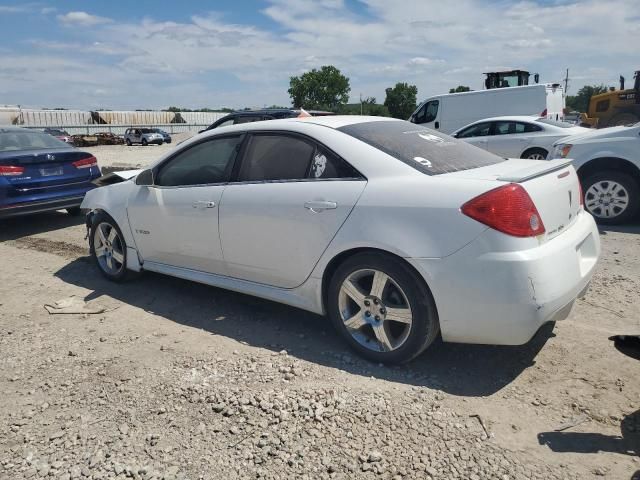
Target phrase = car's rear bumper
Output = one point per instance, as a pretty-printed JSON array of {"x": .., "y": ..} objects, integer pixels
[
  {"x": 27, "y": 208},
  {"x": 505, "y": 297}
]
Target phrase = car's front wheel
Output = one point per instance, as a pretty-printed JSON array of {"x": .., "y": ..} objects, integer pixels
[
  {"x": 535, "y": 154},
  {"x": 612, "y": 197},
  {"x": 108, "y": 247},
  {"x": 128, "y": 142},
  {"x": 382, "y": 307}
]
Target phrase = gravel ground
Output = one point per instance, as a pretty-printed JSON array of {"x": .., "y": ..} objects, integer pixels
[
  {"x": 135, "y": 156},
  {"x": 177, "y": 380}
]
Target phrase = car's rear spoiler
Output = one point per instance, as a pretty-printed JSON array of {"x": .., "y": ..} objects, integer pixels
[
  {"x": 543, "y": 167},
  {"x": 115, "y": 177}
]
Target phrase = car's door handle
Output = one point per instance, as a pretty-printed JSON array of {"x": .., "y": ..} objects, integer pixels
[
  {"x": 203, "y": 204},
  {"x": 317, "y": 206}
]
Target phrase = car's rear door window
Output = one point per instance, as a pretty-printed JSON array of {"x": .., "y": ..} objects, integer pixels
[
  {"x": 426, "y": 150},
  {"x": 276, "y": 157}
]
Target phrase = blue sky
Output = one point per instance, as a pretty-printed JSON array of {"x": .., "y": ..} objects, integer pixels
[{"x": 152, "y": 54}]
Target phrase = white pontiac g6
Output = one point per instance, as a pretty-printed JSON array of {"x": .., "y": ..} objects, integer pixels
[{"x": 396, "y": 232}]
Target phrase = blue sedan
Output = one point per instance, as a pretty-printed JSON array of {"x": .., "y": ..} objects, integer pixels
[{"x": 40, "y": 173}]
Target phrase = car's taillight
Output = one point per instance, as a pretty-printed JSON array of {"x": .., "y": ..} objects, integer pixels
[
  {"x": 10, "y": 170},
  {"x": 86, "y": 163},
  {"x": 508, "y": 209}
]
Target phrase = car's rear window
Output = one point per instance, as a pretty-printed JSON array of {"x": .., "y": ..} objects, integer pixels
[
  {"x": 25, "y": 140},
  {"x": 424, "y": 149}
]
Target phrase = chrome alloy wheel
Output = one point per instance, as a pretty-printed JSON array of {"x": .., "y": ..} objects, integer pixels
[
  {"x": 536, "y": 156},
  {"x": 108, "y": 247},
  {"x": 375, "y": 310},
  {"x": 606, "y": 199}
]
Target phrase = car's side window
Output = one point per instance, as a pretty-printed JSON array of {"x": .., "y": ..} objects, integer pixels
[
  {"x": 530, "y": 127},
  {"x": 477, "y": 130},
  {"x": 431, "y": 111},
  {"x": 276, "y": 157},
  {"x": 204, "y": 163},
  {"x": 327, "y": 165}
]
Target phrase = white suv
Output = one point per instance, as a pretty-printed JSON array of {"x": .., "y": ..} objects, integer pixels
[
  {"x": 608, "y": 164},
  {"x": 145, "y": 136}
]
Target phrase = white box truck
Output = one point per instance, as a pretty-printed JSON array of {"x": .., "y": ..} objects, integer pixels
[{"x": 452, "y": 111}]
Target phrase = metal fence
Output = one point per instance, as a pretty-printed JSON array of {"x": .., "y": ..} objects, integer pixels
[{"x": 171, "y": 128}]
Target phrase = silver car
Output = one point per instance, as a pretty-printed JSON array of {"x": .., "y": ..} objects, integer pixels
[{"x": 144, "y": 136}]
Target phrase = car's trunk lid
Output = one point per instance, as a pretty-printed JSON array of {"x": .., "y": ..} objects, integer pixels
[
  {"x": 552, "y": 185},
  {"x": 45, "y": 170}
]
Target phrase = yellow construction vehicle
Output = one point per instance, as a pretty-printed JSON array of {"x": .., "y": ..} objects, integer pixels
[{"x": 615, "y": 107}]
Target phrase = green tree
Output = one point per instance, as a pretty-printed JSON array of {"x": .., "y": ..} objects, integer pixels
[
  {"x": 401, "y": 100},
  {"x": 459, "y": 88},
  {"x": 580, "y": 101},
  {"x": 324, "y": 89},
  {"x": 368, "y": 106}
]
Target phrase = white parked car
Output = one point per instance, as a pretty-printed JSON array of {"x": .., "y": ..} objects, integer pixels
[
  {"x": 395, "y": 231},
  {"x": 517, "y": 136},
  {"x": 608, "y": 165}
]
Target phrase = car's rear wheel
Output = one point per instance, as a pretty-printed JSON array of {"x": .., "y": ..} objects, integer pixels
[
  {"x": 382, "y": 308},
  {"x": 108, "y": 247},
  {"x": 535, "y": 154},
  {"x": 128, "y": 142},
  {"x": 612, "y": 197},
  {"x": 144, "y": 142}
]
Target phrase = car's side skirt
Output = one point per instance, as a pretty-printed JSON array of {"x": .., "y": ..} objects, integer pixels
[{"x": 305, "y": 296}]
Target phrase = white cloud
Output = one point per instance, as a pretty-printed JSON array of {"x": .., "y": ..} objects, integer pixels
[
  {"x": 83, "y": 19},
  {"x": 206, "y": 61}
]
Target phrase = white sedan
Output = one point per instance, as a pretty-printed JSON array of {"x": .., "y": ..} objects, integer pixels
[
  {"x": 517, "y": 137},
  {"x": 394, "y": 231}
]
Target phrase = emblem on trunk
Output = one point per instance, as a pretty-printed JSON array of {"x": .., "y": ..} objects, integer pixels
[{"x": 50, "y": 157}]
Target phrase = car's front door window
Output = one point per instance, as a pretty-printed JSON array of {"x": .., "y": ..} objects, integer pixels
[
  {"x": 205, "y": 163},
  {"x": 477, "y": 130}
]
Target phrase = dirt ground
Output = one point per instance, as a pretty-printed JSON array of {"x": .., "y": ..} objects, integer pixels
[
  {"x": 135, "y": 156},
  {"x": 179, "y": 380}
]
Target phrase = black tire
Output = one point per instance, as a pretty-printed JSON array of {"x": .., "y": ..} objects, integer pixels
[
  {"x": 74, "y": 211},
  {"x": 424, "y": 328},
  {"x": 123, "y": 273},
  {"x": 534, "y": 153},
  {"x": 628, "y": 183},
  {"x": 144, "y": 142},
  {"x": 128, "y": 142}
]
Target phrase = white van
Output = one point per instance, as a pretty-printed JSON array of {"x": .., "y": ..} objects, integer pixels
[{"x": 449, "y": 112}]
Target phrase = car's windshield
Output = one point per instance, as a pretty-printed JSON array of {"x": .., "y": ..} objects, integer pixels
[
  {"x": 424, "y": 149},
  {"x": 27, "y": 140},
  {"x": 555, "y": 123}
]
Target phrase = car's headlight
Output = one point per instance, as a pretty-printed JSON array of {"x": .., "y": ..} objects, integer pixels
[{"x": 563, "y": 150}]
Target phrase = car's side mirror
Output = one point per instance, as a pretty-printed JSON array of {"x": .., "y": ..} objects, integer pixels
[
  {"x": 145, "y": 178},
  {"x": 454, "y": 135}
]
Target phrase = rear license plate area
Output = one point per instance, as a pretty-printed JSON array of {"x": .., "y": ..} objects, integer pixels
[{"x": 51, "y": 171}]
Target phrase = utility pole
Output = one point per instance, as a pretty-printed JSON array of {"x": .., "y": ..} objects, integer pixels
[
  {"x": 361, "y": 104},
  {"x": 566, "y": 82}
]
